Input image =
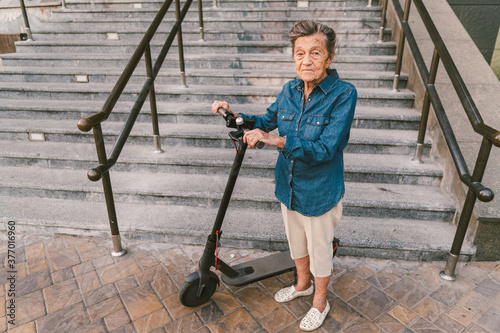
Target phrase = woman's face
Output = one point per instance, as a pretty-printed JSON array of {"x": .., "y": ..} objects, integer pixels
[{"x": 311, "y": 58}]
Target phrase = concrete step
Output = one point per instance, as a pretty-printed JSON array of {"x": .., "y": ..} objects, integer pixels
[
  {"x": 128, "y": 34},
  {"x": 191, "y": 22},
  {"x": 209, "y": 3},
  {"x": 168, "y": 112},
  {"x": 228, "y": 47},
  {"x": 360, "y": 236},
  {"x": 232, "y": 94},
  {"x": 223, "y": 12},
  {"x": 193, "y": 61},
  {"x": 373, "y": 141},
  {"x": 366, "y": 168},
  {"x": 362, "y": 199},
  {"x": 199, "y": 77}
]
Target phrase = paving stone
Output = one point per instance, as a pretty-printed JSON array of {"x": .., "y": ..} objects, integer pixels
[
  {"x": 103, "y": 261},
  {"x": 461, "y": 315},
  {"x": 164, "y": 287},
  {"x": 381, "y": 279},
  {"x": 118, "y": 271},
  {"x": 475, "y": 302},
  {"x": 298, "y": 307},
  {"x": 362, "y": 325},
  {"x": 116, "y": 319},
  {"x": 471, "y": 272},
  {"x": 150, "y": 274},
  {"x": 60, "y": 289},
  {"x": 125, "y": 329},
  {"x": 37, "y": 264},
  {"x": 349, "y": 285},
  {"x": 403, "y": 314},
  {"x": 428, "y": 276},
  {"x": 141, "y": 301},
  {"x": 126, "y": 284},
  {"x": 33, "y": 282},
  {"x": 63, "y": 301},
  {"x": 341, "y": 315},
  {"x": 187, "y": 323},
  {"x": 491, "y": 319},
  {"x": 256, "y": 300},
  {"x": 273, "y": 285},
  {"x": 83, "y": 268},
  {"x": 26, "y": 328},
  {"x": 148, "y": 262},
  {"x": 35, "y": 251},
  {"x": 363, "y": 271},
  {"x": 174, "y": 259},
  {"x": 488, "y": 288},
  {"x": 88, "y": 282},
  {"x": 100, "y": 294},
  {"x": 423, "y": 326},
  {"x": 62, "y": 275},
  {"x": 209, "y": 313},
  {"x": 226, "y": 301},
  {"x": 28, "y": 308},
  {"x": 94, "y": 327},
  {"x": 94, "y": 253},
  {"x": 277, "y": 320},
  {"x": 152, "y": 321},
  {"x": 390, "y": 325},
  {"x": 239, "y": 321},
  {"x": 407, "y": 292},
  {"x": 474, "y": 328},
  {"x": 449, "y": 325},
  {"x": 63, "y": 258},
  {"x": 64, "y": 320},
  {"x": 373, "y": 303},
  {"x": 446, "y": 295},
  {"x": 104, "y": 308},
  {"x": 176, "y": 309},
  {"x": 430, "y": 309}
]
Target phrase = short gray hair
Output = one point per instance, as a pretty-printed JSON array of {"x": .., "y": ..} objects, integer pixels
[{"x": 310, "y": 27}]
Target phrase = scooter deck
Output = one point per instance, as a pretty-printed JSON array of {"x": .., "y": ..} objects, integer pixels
[{"x": 260, "y": 269}]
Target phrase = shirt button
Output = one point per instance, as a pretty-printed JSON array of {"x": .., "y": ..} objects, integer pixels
[{"x": 309, "y": 100}]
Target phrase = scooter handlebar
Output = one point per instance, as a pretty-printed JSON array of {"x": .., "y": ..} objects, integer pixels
[{"x": 233, "y": 121}]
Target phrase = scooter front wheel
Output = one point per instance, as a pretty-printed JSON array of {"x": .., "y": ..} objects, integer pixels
[{"x": 188, "y": 292}]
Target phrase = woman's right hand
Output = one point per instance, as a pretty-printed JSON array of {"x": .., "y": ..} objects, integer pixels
[{"x": 220, "y": 104}]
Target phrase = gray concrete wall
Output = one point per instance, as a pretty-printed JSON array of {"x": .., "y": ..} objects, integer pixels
[
  {"x": 481, "y": 20},
  {"x": 485, "y": 90}
]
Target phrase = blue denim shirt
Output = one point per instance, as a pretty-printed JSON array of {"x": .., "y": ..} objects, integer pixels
[{"x": 309, "y": 172}]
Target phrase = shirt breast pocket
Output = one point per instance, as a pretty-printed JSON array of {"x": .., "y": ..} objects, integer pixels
[
  {"x": 315, "y": 126},
  {"x": 285, "y": 120}
]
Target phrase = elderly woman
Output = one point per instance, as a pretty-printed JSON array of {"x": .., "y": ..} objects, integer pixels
[{"x": 313, "y": 115}]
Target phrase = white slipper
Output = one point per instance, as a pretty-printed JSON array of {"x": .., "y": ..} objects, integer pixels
[
  {"x": 314, "y": 319},
  {"x": 289, "y": 293}
]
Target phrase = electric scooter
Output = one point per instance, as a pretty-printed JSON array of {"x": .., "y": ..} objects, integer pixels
[{"x": 199, "y": 286}]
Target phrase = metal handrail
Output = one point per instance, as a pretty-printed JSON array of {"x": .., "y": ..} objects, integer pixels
[
  {"x": 491, "y": 136},
  {"x": 94, "y": 122}
]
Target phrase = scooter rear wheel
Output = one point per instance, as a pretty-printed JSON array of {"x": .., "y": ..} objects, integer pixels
[{"x": 187, "y": 294}]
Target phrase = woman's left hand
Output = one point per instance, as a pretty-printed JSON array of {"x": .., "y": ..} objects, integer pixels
[{"x": 256, "y": 135}]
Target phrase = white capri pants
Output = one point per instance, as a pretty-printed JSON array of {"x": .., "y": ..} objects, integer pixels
[{"x": 313, "y": 237}]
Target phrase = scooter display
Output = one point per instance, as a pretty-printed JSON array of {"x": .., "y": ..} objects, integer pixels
[{"x": 199, "y": 286}]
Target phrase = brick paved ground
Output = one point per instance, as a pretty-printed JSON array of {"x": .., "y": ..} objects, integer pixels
[{"x": 72, "y": 284}]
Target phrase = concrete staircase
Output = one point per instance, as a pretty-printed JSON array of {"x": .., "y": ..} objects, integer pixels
[{"x": 393, "y": 209}]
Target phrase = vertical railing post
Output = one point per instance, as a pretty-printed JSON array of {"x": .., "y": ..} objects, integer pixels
[
  {"x": 369, "y": 3},
  {"x": 214, "y": 3},
  {"x": 463, "y": 224},
  {"x": 180, "y": 44},
  {"x": 401, "y": 43},
  {"x": 26, "y": 22},
  {"x": 108, "y": 193},
  {"x": 152, "y": 101},
  {"x": 200, "y": 17},
  {"x": 425, "y": 109},
  {"x": 382, "y": 21}
]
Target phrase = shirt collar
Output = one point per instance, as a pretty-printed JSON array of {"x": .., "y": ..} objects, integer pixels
[{"x": 324, "y": 85}]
